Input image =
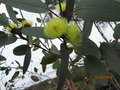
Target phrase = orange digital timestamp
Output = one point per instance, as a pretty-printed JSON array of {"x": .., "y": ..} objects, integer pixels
[{"x": 102, "y": 77}]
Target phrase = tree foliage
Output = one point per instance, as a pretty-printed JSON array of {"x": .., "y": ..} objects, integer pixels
[{"x": 99, "y": 61}]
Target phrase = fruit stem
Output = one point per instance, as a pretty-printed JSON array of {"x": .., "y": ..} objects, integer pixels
[{"x": 52, "y": 12}]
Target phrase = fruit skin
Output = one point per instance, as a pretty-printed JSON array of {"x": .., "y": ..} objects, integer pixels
[
  {"x": 11, "y": 27},
  {"x": 26, "y": 23},
  {"x": 74, "y": 34},
  {"x": 63, "y": 6},
  {"x": 56, "y": 27}
]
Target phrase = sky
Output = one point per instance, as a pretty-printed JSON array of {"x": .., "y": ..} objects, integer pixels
[{"x": 37, "y": 55}]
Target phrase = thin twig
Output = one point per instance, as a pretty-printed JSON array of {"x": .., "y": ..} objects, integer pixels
[
  {"x": 41, "y": 48},
  {"x": 21, "y": 13},
  {"x": 115, "y": 23},
  {"x": 52, "y": 12},
  {"x": 44, "y": 45},
  {"x": 111, "y": 26},
  {"x": 43, "y": 19},
  {"x": 100, "y": 31},
  {"x": 35, "y": 44},
  {"x": 2, "y": 50}
]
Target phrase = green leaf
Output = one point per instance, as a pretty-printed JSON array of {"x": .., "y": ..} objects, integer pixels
[
  {"x": 36, "y": 42},
  {"x": 3, "y": 38},
  {"x": 34, "y": 31},
  {"x": 54, "y": 50},
  {"x": 20, "y": 50},
  {"x": 4, "y": 20},
  {"x": 35, "y": 69},
  {"x": 96, "y": 68},
  {"x": 69, "y": 8},
  {"x": 2, "y": 58},
  {"x": 78, "y": 73},
  {"x": 20, "y": 19},
  {"x": 27, "y": 60},
  {"x": 15, "y": 12},
  {"x": 116, "y": 34},
  {"x": 111, "y": 57},
  {"x": 49, "y": 2},
  {"x": 11, "y": 14},
  {"x": 99, "y": 10},
  {"x": 18, "y": 63},
  {"x": 64, "y": 66},
  {"x": 6, "y": 84},
  {"x": 88, "y": 47},
  {"x": 49, "y": 58},
  {"x": 11, "y": 39},
  {"x": 38, "y": 20},
  {"x": 28, "y": 5},
  {"x": 44, "y": 68},
  {"x": 15, "y": 75},
  {"x": 7, "y": 71},
  {"x": 2, "y": 68},
  {"x": 56, "y": 64},
  {"x": 87, "y": 28}
]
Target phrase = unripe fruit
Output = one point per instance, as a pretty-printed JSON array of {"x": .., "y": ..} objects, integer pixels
[
  {"x": 74, "y": 34},
  {"x": 63, "y": 6},
  {"x": 11, "y": 27},
  {"x": 25, "y": 23},
  {"x": 56, "y": 27}
]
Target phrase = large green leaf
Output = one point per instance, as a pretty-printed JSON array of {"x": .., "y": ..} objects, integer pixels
[
  {"x": 111, "y": 57},
  {"x": 88, "y": 47},
  {"x": 96, "y": 68},
  {"x": 4, "y": 20},
  {"x": 11, "y": 13},
  {"x": 49, "y": 58},
  {"x": 99, "y": 10},
  {"x": 2, "y": 58},
  {"x": 3, "y": 38},
  {"x": 117, "y": 31},
  {"x": 64, "y": 66},
  {"x": 11, "y": 39},
  {"x": 27, "y": 60},
  {"x": 28, "y": 5},
  {"x": 20, "y": 50},
  {"x": 34, "y": 31}
]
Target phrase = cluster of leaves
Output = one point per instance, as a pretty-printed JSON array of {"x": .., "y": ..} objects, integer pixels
[{"x": 99, "y": 61}]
